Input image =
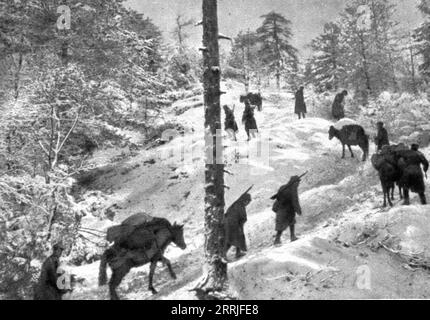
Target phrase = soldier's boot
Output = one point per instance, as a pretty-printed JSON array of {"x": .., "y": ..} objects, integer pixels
[
  {"x": 423, "y": 198},
  {"x": 239, "y": 253},
  {"x": 278, "y": 238},
  {"x": 292, "y": 234},
  {"x": 406, "y": 201}
]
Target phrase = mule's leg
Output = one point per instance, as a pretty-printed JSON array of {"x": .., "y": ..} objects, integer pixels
[
  {"x": 400, "y": 192},
  {"x": 406, "y": 202},
  {"x": 343, "y": 151},
  {"x": 278, "y": 238},
  {"x": 423, "y": 198},
  {"x": 384, "y": 192},
  {"x": 169, "y": 266},
  {"x": 388, "y": 196},
  {"x": 350, "y": 150},
  {"x": 116, "y": 278},
  {"x": 364, "y": 154},
  {"x": 151, "y": 276}
]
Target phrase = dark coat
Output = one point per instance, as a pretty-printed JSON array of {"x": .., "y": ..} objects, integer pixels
[
  {"x": 410, "y": 161},
  {"x": 234, "y": 221},
  {"x": 248, "y": 118},
  {"x": 300, "y": 106},
  {"x": 382, "y": 138},
  {"x": 338, "y": 110},
  {"x": 230, "y": 121},
  {"x": 47, "y": 288},
  {"x": 287, "y": 205}
]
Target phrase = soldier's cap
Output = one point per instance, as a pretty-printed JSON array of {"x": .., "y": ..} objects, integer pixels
[
  {"x": 380, "y": 123},
  {"x": 345, "y": 92},
  {"x": 58, "y": 246},
  {"x": 415, "y": 146},
  {"x": 295, "y": 179}
]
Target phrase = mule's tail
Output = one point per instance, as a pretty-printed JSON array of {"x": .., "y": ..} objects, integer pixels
[{"x": 102, "y": 269}]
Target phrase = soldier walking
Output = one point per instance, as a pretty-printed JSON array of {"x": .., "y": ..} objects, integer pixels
[
  {"x": 286, "y": 206},
  {"x": 410, "y": 161},
  {"x": 248, "y": 120},
  {"x": 234, "y": 221}
]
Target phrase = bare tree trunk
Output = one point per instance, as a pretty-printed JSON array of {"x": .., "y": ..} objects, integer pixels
[
  {"x": 215, "y": 276},
  {"x": 245, "y": 75},
  {"x": 414, "y": 82},
  {"x": 18, "y": 75}
]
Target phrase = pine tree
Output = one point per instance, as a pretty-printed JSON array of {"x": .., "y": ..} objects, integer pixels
[
  {"x": 422, "y": 36},
  {"x": 276, "y": 51},
  {"x": 244, "y": 56},
  {"x": 369, "y": 57},
  {"x": 326, "y": 70}
]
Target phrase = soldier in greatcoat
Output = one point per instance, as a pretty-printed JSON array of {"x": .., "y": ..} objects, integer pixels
[
  {"x": 286, "y": 207},
  {"x": 300, "y": 105},
  {"x": 234, "y": 221},
  {"x": 338, "y": 107}
]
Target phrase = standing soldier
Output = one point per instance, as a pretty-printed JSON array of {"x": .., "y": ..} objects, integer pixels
[
  {"x": 338, "y": 107},
  {"x": 249, "y": 121},
  {"x": 381, "y": 138},
  {"x": 286, "y": 206},
  {"x": 300, "y": 107},
  {"x": 410, "y": 161},
  {"x": 47, "y": 287},
  {"x": 234, "y": 221},
  {"x": 230, "y": 124}
]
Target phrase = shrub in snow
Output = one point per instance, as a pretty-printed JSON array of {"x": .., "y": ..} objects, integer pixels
[{"x": 34, "y": 215}]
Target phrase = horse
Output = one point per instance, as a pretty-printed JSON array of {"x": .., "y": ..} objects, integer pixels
[
  {"x": 122, "y": 259},
  {"x": 351, "y": 135}
]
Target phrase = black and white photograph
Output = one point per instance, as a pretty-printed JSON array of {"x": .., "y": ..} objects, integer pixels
[{"x": 241, "y": 151}]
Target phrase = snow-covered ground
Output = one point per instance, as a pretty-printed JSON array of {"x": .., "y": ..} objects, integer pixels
[{"x": 344, "y": 234}]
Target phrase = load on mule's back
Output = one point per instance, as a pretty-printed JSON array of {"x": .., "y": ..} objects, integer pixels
[
  {"x": 389, "y": 174},
  {"x": 404, "y": 168},
  {"x": 351, "y": 135},
  {"x": 140, "y": 239},
  {"x": 254, "y": 99}
]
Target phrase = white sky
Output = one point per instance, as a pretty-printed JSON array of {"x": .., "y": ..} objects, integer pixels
[{"x": 307, "y": 16}]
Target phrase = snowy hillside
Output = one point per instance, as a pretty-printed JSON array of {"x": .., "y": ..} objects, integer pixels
[{"x": 343, "y": 227}]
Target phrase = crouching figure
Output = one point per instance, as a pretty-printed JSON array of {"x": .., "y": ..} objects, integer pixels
[
  {"x": 286, "y": 206},
  {"x": 48, "y": 286}
]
